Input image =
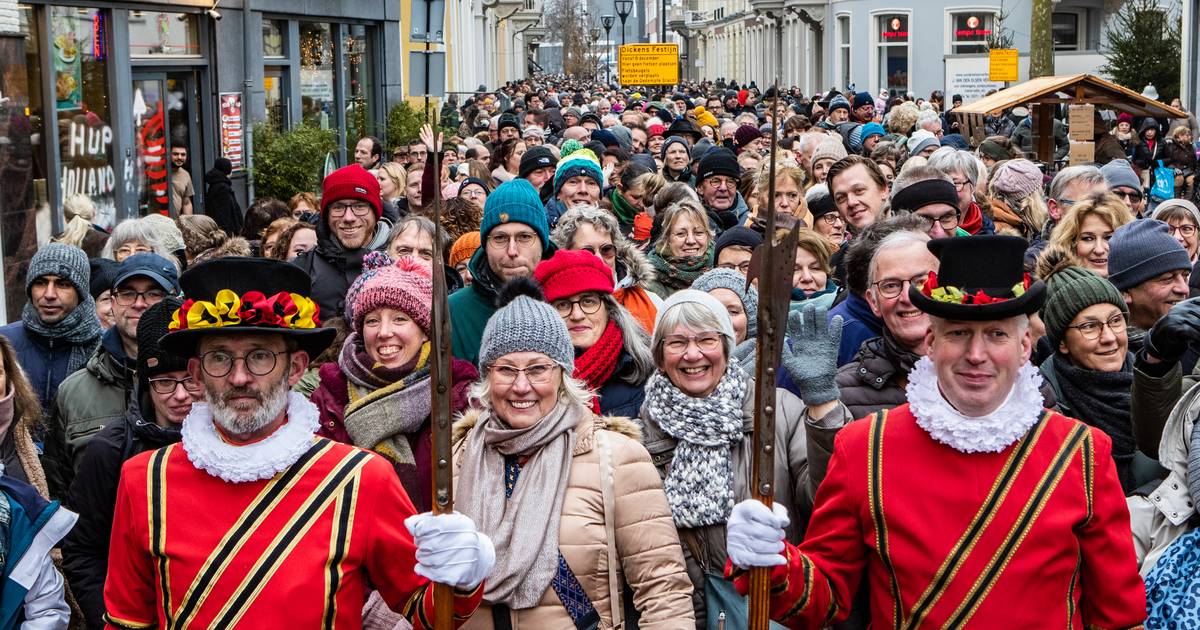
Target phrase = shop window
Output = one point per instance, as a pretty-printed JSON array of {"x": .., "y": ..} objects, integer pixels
[
  {"x": 356, "y": 73},
  {"x": 79, "y": 48},
  {"x": 159, "y": 33},
  {"x": 316, "y": 74},
  {"x": 1066, "y": 29},
  {"x": 843, "y": 24},
  {"x": 969, "y": 31},
  {"x": 273, "y": 42},
  {"x": 892, "y": 47},
  {"x": 275, "y": 91}
]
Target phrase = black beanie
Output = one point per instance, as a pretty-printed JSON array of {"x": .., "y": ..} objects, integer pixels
[
  {"x": 739, "y": 235},
  {"x": 152, "y": 358},
  {"x": 535, "y": 158},
  {"x": 821, "y": 204},
  {"x": 718, "y": 161},
  {"x": 508, "y": 120},
  {"x": 920, "y": 194},
  {"x": 103, "y": 272}
]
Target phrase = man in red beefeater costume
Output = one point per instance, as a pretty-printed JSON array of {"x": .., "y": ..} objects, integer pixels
[{"x": 970, "y": 506}]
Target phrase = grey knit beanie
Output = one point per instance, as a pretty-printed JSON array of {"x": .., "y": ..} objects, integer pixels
[
  {"x": 1141, "y": 250},
  {"x": 1118, "y": 173},
  {"x": 62, "y": 260},
  {"x": 722, "y": 278},
  {"x": 527, "y": 325},
  {"x": 1068, "y": 292}
]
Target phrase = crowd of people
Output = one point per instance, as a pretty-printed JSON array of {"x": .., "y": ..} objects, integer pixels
[{"x": 226, "y": 418}]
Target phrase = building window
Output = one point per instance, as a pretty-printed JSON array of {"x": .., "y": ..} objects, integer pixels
[
  {"x": 316, "y": 74},
  {"x": 80, "y": 47},
  {"x": 969, "y": 31},
  {"x": 356, "y": 73},
  {"x": 275, "y": 91},
  {"x": 843, "y": 24},
  {"x": 1066, "y": 28},
  {"x": 156, "y": 33},
  {"x": 892, "y": 45},
  {"x": 273, "y": 42}
]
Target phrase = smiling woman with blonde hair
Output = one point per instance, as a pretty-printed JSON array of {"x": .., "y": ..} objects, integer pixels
[{"x": 684, "y": 249}]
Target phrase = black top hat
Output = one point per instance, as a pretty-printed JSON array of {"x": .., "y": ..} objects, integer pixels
[
  {"x": 247, "y": 295},
  {"x": 982, "y": 278},
  {"x": 683, "y": 127}
]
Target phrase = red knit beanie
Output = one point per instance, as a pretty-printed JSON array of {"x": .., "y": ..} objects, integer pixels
[
  {"x": 571, "y": 272},
  {"x": 352, "y": 182},
  {"x": 405, "y": 286}
]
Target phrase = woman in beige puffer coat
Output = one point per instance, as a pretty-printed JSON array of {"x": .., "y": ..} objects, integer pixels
[{"x": 646, "y": 543}]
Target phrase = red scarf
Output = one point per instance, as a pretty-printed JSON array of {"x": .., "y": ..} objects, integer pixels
[
  {"x": 597, "y": 364},
  {"x": 972, "y": 219}
]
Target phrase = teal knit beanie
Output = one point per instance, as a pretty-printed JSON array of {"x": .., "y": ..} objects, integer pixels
[
  {"x": 1069, "y": 291},
  {"x": 580, "y": 162},
  {"x": 515, "y": 201}
]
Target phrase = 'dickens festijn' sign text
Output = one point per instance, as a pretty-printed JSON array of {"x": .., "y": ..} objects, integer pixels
[{"x": 649, "y": 64}]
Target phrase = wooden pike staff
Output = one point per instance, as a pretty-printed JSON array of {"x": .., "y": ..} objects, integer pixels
[
  {"x": 776, "y": 256},
  {"x": 439, "y": 374}
]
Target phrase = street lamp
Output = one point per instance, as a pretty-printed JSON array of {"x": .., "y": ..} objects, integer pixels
[
  {"x": 595, "y": 33},
  {"x": 607, "y": 21},
  {"x": 624, "y": 8}
]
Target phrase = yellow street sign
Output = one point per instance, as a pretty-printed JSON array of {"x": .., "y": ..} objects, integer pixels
[
  {"x": 1003, "y": 65},
  {"x": 649, "y": 64}
]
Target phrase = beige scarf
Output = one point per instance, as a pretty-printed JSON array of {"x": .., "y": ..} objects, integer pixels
[{"x": 524, "y": 528}]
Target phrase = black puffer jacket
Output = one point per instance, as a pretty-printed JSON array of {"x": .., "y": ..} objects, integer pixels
[
  {"x": 94, "y": 495},
  {"x": 333, "y": 268},
  {"x": 876, "y": 377}
]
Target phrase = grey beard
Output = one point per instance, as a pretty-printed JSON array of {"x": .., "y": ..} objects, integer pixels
[{"x": 232, "y": 422}]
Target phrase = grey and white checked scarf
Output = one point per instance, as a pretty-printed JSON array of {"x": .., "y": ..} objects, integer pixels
[{"x": 699, "y": 485}]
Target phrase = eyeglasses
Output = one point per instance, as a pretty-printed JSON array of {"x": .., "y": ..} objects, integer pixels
[
  {"x": 892, "y": 287},
  {"x": 1128, "y": 195},
  {"x": 948, "y": 221},
  {"x": 720, "y": 182},
  {"x": 607, "y": 250},
  {"x": 678, "y": 344},
  {"x": 400, "y": 155},
  {"x": 126, "y": 251},
  {"x": 959, "y": 186},
  {"x": 538, "y": 374},
  {"x": 742, "y": 267},
  {"x": 589, "y": 304},
  {"x": 168, "y": 385},
  {"x": 1091, "y": 330},
  {"x": 127, "y": 297},
  {"x": 501, "y": 241},
  {"x": 1186, "y": 231},
  {"x": 831, "y": 218},
  {"x": 360, "y": 209},
  {"x": 260, "y": 362}
]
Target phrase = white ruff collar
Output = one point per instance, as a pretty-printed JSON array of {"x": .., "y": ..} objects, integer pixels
[
  {"x": 984, "y": 434},
  {"x": 260, "y": 460}
]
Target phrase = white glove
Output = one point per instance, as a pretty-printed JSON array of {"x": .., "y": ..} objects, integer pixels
[
  {"x": 450, "y": 550},
  {"x": 754, "y": 534}
]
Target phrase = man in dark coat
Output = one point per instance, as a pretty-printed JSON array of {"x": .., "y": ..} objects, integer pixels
[
  {"x": 351, "y": 227},
  {"x": 219, "y": 201},
  {"x": 163, "y": 396}
]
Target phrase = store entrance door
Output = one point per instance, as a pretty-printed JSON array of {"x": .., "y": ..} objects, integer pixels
[{"x": 167, "y": 140}]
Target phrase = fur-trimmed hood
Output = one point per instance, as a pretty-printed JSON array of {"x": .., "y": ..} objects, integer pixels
[
  {"x": 586, "y": 429},
  {"x": 634, "y": 267},
  {"x": 233, "y": 246}
]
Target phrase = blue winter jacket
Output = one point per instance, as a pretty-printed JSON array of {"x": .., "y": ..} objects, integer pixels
[
  {"x": 44, "y": 360},
  {"x": 34, "y": 527},
  {"x": 617, "y": 396},
  {"x": 858, "y": 325}
]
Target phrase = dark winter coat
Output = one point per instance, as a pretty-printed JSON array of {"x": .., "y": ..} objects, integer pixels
[
  {"x": 1181, "y": 157},
  {"x": 617, "y": 396},
  {"x": 94, "y": 495},
  {"x": 875, "y": 379},
  {"x": 88, "y": 400},
  {"x": 333, "y": 268},
  {"x": 1147, "y": 154},
  {"x": 44, "y": 360},
  {"x": 858, "y": 325},
  {"x": 221, "y": 204}
]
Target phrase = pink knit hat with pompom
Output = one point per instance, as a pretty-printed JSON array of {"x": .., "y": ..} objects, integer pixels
[{"x": 405, "y": 285}]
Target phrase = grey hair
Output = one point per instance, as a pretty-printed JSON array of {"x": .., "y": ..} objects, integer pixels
[
  {"x": 928, "y": 116},
  {"x": 895, "y": 240},
  {"x": 689, "y": 315},
  {"x": 597, "y": 217},
  {"x": 949, "y": 160},
  {"x": 637, "y": 342},
  {"x": 1086, "y": 173},
  {"x": 571, "y": 390},
  {"x": 919, "y": 173},
  {"x": 142, "y": 232},
  {"x": 672, "y": 214},
  {"x": 425, "y": 225}
]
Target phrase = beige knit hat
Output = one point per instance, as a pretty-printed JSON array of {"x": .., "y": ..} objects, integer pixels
[{"x": 830, "y": 148}]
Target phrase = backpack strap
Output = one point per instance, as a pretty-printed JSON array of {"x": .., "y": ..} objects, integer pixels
[{"x": 610, "y": 530}]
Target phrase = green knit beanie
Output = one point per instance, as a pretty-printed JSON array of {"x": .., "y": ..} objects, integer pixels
[{"x": 1069, "y": 291}]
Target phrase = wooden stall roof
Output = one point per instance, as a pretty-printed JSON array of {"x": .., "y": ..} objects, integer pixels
[{"x": 1071, "y": 89}]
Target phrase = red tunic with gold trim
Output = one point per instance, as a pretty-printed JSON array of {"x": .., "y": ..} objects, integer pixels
[
  {"x": 1034, "y": 536},
  {"x": 299, "y": 550}
]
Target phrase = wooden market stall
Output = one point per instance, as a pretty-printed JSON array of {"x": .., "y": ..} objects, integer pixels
[{"x": 1042, "y": 94}]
